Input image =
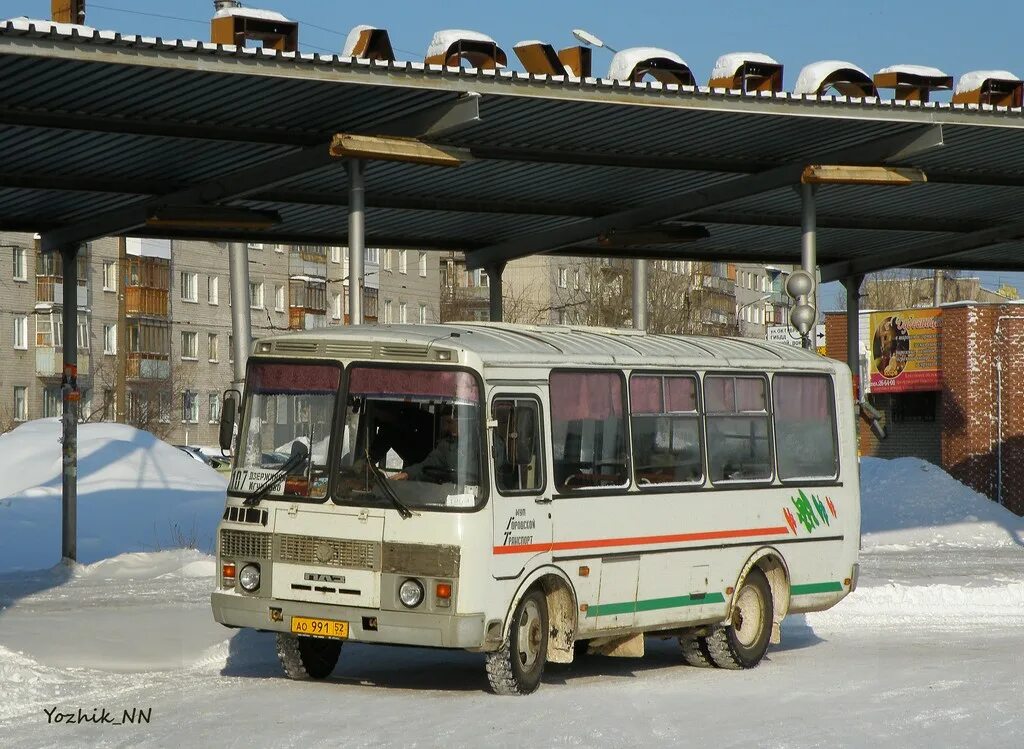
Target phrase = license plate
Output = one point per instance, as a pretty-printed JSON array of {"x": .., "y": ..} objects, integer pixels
[{"x": 302, "y": 625}]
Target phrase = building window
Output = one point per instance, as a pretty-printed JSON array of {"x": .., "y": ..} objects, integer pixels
[
  {"x": 423, "y": 314},
  {"x": 231, "y": 349},
  {"x": 189, "y": 287},
  {"x": 110, "y": 339},
  {"x": 163, "y": 405},
  {"x": 279, "y": 248},
  {"x": 214, "y": 408},
  {"x": 190, "y": 407},
  {"x": 212, "y": 290},
  {"x": 336, "y": 306},
  {"x": 423, "y": 265},
  {"x": 387, "y": 311},
  {"x": 256, "y": 295},
  {"x": 387, "y": 259},
  {"x": 109, "y": 275},
  {"x": 189, "y": 344},
  {"x": 20, "y": 403},
  {"x": 403, "y": 261},
  {"x": 576, "y": 280},
  {"x": 21, "y": 331},
  {"x": 279, "y": 297},
  {"x": 335, "y": 254},
  {"x": 563, "y": 278},
  {"x": 52, "y": 402},
  {"x": 19, "y": 264},
  {"x": 403, "y": 312},
  {"x": 212, "y": 340}
]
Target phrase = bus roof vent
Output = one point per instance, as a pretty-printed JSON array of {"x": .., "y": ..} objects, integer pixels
[
  {"x": 746, "y": 72},
  {"x": 1000, "y": 88},
  {"x": 913, "y": 82},
  {"x": 349, "y": 350},
  {"x": 295, "y": 347},
  {"x": 403, "y": 351}
]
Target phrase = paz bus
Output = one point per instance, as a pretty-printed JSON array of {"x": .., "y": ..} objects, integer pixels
[{"x": 532, "y": 492}]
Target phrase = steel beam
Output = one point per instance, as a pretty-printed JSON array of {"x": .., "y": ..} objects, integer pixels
[
  {"x": 922, "y": 253},
  {"x": 690, "y": 202}
]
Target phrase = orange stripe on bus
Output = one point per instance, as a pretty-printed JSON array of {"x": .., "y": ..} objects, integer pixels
[{"x": 603, "y": 543}]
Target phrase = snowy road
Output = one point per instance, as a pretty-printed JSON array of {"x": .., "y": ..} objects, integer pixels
[{"x": 135, "y": 632}]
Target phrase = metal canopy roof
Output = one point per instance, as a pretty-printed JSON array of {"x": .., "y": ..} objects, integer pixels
[{"x": 97, "y": 128}]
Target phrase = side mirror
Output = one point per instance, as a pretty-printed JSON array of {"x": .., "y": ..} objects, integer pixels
[{"x": 228, "y": 413}]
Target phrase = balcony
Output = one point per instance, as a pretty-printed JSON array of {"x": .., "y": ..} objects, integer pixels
[
  {"x": 50, "y": 291},
  {"x": 50, "y": 362},
  {"x": 148, "y": 367},
  {"x": 143, "y": 300}
]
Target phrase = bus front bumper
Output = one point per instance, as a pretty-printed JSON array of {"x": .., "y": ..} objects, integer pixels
[{"x": 392, "y": 627}]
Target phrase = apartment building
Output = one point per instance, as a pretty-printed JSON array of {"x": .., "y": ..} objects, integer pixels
[
  {"x": 176, "y": 345},
  {"x": 761, "y": 298}
]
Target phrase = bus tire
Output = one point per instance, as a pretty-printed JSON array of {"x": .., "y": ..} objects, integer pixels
[
  {"x": 304, "y": 658},
  {"x": 695, "y": 652},
  {"x": 516, "y": 667},
  {"x": 743, "y": 642}
]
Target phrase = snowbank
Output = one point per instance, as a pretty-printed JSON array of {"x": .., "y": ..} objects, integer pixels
[
  {"x": 908, "y": 502},
  {"x": 135, "y": 493}
]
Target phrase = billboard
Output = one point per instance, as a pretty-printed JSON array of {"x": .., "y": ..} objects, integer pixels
[{"x": 904, "y": 354}]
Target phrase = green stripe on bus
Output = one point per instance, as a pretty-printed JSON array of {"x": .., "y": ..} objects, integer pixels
[
  {"x": 653, "y": 604},
  {"x": 811, "y": 588}
]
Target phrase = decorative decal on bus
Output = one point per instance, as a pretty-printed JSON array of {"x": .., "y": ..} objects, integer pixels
[{"x": 810, "y": 512}]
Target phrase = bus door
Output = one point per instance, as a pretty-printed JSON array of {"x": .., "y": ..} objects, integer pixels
[{"x": 520, "y": 494}]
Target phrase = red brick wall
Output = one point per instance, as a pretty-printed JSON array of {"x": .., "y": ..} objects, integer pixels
[{"x": 974, "y": 339}]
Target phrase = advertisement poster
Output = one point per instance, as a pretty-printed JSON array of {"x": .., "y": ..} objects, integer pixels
[{"x": 905, "y": 351}]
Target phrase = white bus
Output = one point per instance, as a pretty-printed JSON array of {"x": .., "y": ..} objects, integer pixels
[{"x": 531, "y": 492}]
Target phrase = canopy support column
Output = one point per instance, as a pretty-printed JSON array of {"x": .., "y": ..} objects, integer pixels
[
  {"x": 70, "y": 395},
  {"x": 241, "y": 320},
  {"x": 809, "y": 254},
  {"x": 356, "y": 238},
  {"x": 640, "y": 294},
  {"x": 853, "y": 284},
  {"x": 494, "y": 272}
]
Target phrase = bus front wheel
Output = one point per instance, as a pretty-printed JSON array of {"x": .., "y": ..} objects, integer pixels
[
  {"x": 517, "y": 666},
  {"x": 743, "y": 642},
  {"x": 305, "y": 658}
]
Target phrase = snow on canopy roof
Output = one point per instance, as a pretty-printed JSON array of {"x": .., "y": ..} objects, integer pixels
[
  {"x": 811, "y": 76},
  {"x": 527, "y": 43},
  {"x": 922, "y": 70},
  {"x": 266, "y": 15},
  {"x": 727, "y": 65},
  {"x": 623, "y": 62},
  {"x": 348, "y": 48},
  {"x": 972, "y": 81},
  {"x": 445, "y": 38},
  {"x": 23, "y": 23}
]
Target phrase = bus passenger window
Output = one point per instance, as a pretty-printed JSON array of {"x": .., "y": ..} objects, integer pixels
[
  {"x": 515, "y": 446},
  {"x": 665, "y": 426},
  {"x": 805, "y": 426},
  {"x": 737, "y": 428},
  {"x": 588, "y": 430}
]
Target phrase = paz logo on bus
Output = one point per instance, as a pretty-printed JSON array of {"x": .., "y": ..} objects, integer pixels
[{"x": 316, "y": 577}]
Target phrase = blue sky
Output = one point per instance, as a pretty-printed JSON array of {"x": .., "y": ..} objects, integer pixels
[{"x": 954, "y": 36}]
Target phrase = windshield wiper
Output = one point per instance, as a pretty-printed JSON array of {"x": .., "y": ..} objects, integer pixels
[
  {"x": 403, "y": 511},
  {"x": 299, "y": 453}
]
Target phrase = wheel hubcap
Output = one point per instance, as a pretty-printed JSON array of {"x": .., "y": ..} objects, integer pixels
[
  {"x": 529, "y": 635},
  {"x": 748, "y": 615}
]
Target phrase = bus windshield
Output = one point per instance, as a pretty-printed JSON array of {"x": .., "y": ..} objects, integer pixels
[
  {"x": 411, "y": 434},
  {"x": 288, "y": 405}
]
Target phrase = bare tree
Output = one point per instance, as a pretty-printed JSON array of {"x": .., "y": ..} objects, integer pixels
[
  {"x": 152, "y": 402},
  {"x": 906, "y": 288}
]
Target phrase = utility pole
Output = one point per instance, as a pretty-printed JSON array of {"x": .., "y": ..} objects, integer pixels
[
  {"x": 70, "y": 395},
  {"x": 121, "y": 383}
]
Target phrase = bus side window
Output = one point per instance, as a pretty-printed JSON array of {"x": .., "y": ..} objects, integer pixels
[
  {"x": 516, "y": 445},
  {"x": 737, "y": 419},
  {"x": 588, "y": 429},
  {"x": 805, "y": 426},
  {"x": 665, "y": 424}
]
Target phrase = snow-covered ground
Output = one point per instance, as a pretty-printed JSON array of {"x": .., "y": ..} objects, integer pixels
[{"x": 925, "y": 653}]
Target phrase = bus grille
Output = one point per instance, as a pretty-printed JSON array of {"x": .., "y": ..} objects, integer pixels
[
  {"x": 421, "y": 559},
  {"x": 331, "y": 552},
  {"x": 244, "y": 545}
]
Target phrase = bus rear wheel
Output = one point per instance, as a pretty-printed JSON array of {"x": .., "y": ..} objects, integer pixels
[
  {"x": 743, "y": 642},
  {"x": 304, "y": 658},
  {"x": 517, "y": 666}
]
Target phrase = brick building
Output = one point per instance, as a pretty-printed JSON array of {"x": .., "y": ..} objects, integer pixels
[{"x": 972, "y": 425}]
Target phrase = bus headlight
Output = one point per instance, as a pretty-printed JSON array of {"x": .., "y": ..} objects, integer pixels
[
  {"x": 411, "y": 593},
  {"x": 249, "y": 577}
]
